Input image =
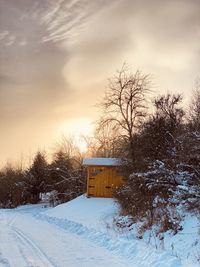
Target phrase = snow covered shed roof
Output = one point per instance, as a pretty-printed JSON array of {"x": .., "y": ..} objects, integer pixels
[{"x": 101, "y": 161}]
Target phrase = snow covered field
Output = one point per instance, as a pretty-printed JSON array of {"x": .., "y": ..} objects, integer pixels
[{"x": 80, "y": 233}]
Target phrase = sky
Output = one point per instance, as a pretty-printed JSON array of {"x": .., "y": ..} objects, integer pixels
[{"x": 56, "y": 58}]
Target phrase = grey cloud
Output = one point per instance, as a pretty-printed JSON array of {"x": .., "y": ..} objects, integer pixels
[
  {"x": 89, "y": 40},
  {"x": 35, "y": 67},
  {"x": 6, "y": 79},
  {"x": 64, "y": 19},
  {"x": 148, "y": 34},
  {"x": 32, "y": 57}
]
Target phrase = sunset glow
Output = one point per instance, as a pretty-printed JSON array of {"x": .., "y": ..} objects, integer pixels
[
  {"x": 57, "y": 56},
  {"x": 77, "y": 129},
  {"x": 100, "y": 133}
]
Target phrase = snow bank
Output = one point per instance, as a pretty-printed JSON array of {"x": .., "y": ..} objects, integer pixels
[
  {"x": 91, "y": 219},
  {"x": 186, "y": 244},
  {"x": 91, "y": 212}
]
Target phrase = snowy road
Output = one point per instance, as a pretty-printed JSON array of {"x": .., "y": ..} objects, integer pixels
[{"x": 28, "y": 242}]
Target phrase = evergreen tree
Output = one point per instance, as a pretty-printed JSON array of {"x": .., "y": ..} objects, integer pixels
[{"x": 36, "y": 180}]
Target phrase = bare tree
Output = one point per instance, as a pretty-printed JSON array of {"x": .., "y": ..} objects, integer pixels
[
  {"x": 105, "y": 142},
  {"x": 108, "y": 139},
  {"x": 125, "y": 103},
  {"x": 167, "y": 107},
  {"x": 194, "y": 108},
  {"x": 68, "y": 146}
]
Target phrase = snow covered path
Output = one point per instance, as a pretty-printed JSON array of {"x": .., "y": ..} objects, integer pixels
[{"x": 28, "y": 242}]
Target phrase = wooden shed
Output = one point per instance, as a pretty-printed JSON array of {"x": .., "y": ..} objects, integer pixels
[{"x": 102, "y": 176}]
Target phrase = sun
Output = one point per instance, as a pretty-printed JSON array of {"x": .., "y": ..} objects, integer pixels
[{"x": 77, "y": 129}]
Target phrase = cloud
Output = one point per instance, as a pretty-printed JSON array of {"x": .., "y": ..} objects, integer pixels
[
  {"x": 161, "y": 38},
  {"x": 10, "y": 40},
  {"x": 42, "y": 32},
  {"x": 3, "y": 34},
  {"x": 23, "y": 42},
  {"x": 66, "y": 19},
  {"x": 56, "y": 56},
  {"x": 6, "y": 79}
]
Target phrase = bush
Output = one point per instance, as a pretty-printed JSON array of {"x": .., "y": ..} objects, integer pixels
[
  {"x": 66, "y": 177},
  {"x": 149, "y": 197},
  {"x": 11, "y": 189}
]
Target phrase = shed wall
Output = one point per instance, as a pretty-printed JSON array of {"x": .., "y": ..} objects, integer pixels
[{"x": 102, "y": 180}]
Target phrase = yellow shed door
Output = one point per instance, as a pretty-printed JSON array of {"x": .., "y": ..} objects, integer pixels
[{"x": 102, "y": 181}]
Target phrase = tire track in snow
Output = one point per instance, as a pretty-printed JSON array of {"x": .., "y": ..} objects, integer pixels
[
  {"x": 118, "y": 246},
  {"x": 8, "y": 218},
  {"x": 4, "y": 262},
  {"x": 30, "y": 251},
  {"x": 3, "y": 221}
]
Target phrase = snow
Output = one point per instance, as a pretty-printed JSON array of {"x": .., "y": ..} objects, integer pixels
[
  {"x": 101, "y": 161},
  {"x": 186, "y": 244},
  {"x": 82, "y": 233},
  {"x": 94, "y": 221},
  {"x": 30, "y": 242},
  {"x": 90, "y": 212}
]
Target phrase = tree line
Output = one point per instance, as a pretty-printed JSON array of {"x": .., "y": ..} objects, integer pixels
[{"x": 56, "y": 182}]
